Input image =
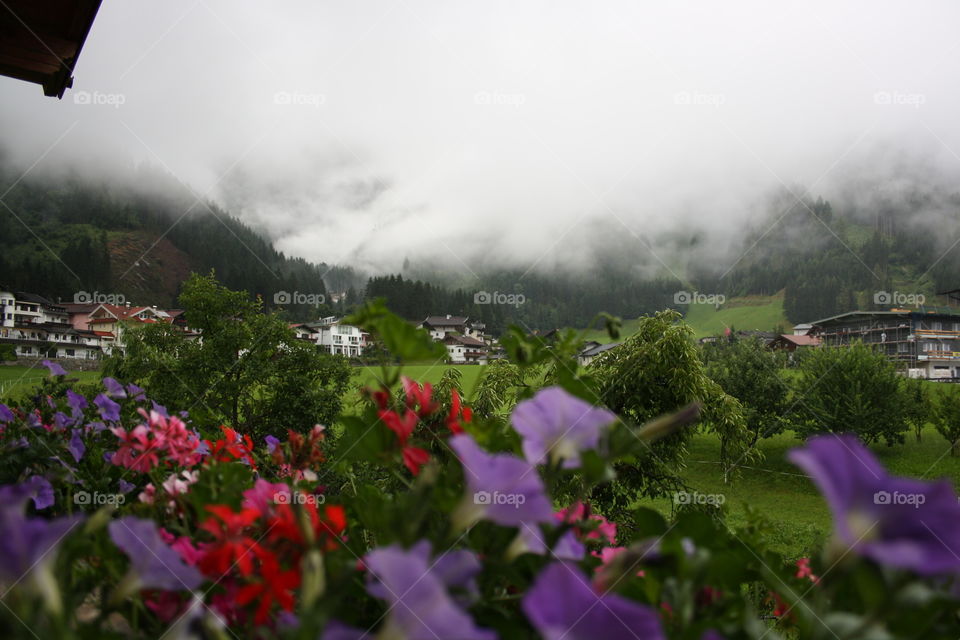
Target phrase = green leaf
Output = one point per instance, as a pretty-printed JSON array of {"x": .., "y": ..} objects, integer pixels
[
  {"x": 649, "y": 522},
  {"x": 401, "y": 338}
]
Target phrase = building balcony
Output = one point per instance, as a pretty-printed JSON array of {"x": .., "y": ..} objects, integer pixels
[{"x": 939, "y": 355}]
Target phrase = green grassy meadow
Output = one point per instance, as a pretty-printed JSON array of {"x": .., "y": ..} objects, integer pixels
[
  {"x": 761, "y": 313},
  {"x": 17, "y": 379}
]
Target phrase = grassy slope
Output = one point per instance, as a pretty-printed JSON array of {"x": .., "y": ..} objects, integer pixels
[
  {"x": 752, "y": 312},
  {"x": 800, "y": 517},
  {"x": 424, "y": 373},
  {"x": 17, "y": 379}
]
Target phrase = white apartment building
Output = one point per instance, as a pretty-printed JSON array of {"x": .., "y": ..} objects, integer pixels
[
  {"x": 337, "y": 338},
  {"x": 38, "y": 328}
]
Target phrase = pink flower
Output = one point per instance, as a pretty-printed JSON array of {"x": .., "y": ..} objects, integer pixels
[
  {"x": 149, "y": 494},
  {"x": 141, "y": 448},
  {"x": 804, "y": 570},
  {"x": 138, "y": 450},
  {"x": 264, "y": 495},
  {"x": 183, "y": 546},
  {"x": 605, "y": 530},
  {"x": 177, "y": 484}
]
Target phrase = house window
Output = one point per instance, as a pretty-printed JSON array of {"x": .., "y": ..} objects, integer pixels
[
  {"x": 69, "y": 353},
  {"x": 903, "y": 347},
  {"x": 936, "y": 326}
]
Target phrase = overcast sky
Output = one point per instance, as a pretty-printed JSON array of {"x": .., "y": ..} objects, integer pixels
[{"x": 368, "y": 131}]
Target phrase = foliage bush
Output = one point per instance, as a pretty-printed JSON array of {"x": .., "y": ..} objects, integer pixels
[
  {"x": 236, "y": 365},
  {"x": 850, "y": 389},
  {"x": 946, "y": 418},
  {"x": 750, "y": 372}
]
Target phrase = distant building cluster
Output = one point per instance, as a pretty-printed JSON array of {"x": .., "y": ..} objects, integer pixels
[
  {"x": 38, "y": 328},
  {"x": 465, "y": 340},
  {"x": 923, "y": 343}
]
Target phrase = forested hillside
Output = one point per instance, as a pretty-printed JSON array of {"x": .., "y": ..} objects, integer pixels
[
  {"x": 67, "y": 235},
  {"x": 830, "y": 260},
  {"x": 64, "y": 235}
]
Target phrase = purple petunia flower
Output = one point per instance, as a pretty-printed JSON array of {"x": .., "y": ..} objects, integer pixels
[
  {"x": 137, "y": 393},
  {"x": 153, "y": 562},
  {"x": 27, "y": 544},
  {"x": 96, "y": 427},
  {"x": 76, "y": 446},
  {"x": 76, "y": 402},
  {"x": 900, "y": 522},
  {"x": 34, "y": 420},
  {"x": 114, "y": 388},
  {"x": 62, "y": 421},
  {"x": 531, "y": 540},
  {"x": 272, "y": 443},
  {"x": 54, "y": 368},
  {"x": 203, "y": 449},
  {"x": 126, "y": 487},
  {"x": 500, "y": 487},
  {"x": 159, "y": 408},
  {"x": 558, "y": 426},
  {"x": 336, "y": 630},
  {"x": 562, "y": 604},
  {"x": 109, "y": 410},
  {"x": 6, "y": 415},
  {"x": 39, "y": 490},
  {"x": 416, "y": 590}
]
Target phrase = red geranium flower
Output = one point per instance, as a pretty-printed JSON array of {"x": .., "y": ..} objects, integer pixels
[
  {"x": 456, "y": 413},
  {"x": 233, "y": 545},
  {"x": 276, "y": 587},
  {"x": 234, "y": 447},
  {"x": 285, "y": 526},
  {"x": 417, "y": 395},
  {"x": 414, "y": 458}
]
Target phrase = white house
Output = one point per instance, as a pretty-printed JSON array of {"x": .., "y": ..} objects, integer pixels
[
  {"x": 465, "y": 349},
  {"x": 304, "y": 332},
  {"x": 39, "y": 328},
  {"x": 592, "y": 349},
  {"x": 337, "y": 338}
]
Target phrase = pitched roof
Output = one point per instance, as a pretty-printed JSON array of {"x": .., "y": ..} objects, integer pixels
[
  {"x": 445, "y": 321},
  {"x": 801, "y": 341},
  {"x": 34, "y": 299},
  {"x": 600, "y": 348},
  {"x": 42, "y": 40},
  {"x": 466, "y": 341}
]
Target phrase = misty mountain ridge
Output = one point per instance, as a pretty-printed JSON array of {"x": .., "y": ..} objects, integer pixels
[{"x": 141, "y": 235}]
